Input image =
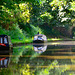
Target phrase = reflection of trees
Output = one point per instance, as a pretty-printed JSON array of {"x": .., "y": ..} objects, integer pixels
[
  {"x": 18, "y": 52},
  {"x": 58, "y": 50},
  {"x": 52, "y": 70},
  {"x": 40, "y": 65},
  {"x": 5, "y": 59},
  {"x": 44, "y": 66},
  {"x": 13, "y": 67}
]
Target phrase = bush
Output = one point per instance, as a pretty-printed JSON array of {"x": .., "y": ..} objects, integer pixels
[
  {"x": 1, "y": 31},
  {"x": 35, "y": 30},
  {"x": 14, "y": 34}
]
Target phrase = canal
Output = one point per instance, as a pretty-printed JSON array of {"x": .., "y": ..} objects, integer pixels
[{"x": 54, "y": 58}]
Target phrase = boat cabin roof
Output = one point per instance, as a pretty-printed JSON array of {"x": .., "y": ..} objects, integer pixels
[
  {"x": 39, "y": 35},
  {"x": 3, "y": 35},
  {"x": 4, "y": 39}
]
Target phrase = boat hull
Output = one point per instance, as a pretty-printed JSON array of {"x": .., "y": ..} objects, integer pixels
[
  {"x": 39, "y": 41},
  {"x": 4, "y": 48}
]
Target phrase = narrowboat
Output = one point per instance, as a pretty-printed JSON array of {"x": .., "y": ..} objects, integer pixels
[
  {"x": 5, "y": 43},
  {"x": 40, "y": 38}
]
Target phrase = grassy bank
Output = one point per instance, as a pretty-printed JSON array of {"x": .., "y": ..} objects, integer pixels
[
  {"x": 30, "y": 40},
  {"x": 55, "y": 39},
  {"x": 18, "y": 36},
  {"x": 23, "y": 41}
]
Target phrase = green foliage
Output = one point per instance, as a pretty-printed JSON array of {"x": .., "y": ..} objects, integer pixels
[
  {"x": 26, "y": 18},
  {"x": 46, "y": 17},
  {"x": 15, "y": 34},
  {"x": 24, "y": 15},
  {"x": 54, "y": 69},
  {"x": 16, "y": 69},
  {"x": 72, "y": 6},
  {"x": 46, "y": 71},
  {"x": 1, "y": 31},
  {"x": 25, "y": 70},
  {"x": 35, "y": 30},
  {"x": 5, "y": 71},
  {"x": 30, "y": 30},
  {"x": 22, "y": 19},
  {"x": 18, "y": 52}
]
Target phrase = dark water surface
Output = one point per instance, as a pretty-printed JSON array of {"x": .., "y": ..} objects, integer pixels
[{"x": 38, "y": 59}]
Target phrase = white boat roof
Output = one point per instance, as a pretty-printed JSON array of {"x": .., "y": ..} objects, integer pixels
[{"x": 39, "y": 34}]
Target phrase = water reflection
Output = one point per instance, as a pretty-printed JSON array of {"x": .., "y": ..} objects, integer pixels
[
  {"x": 4, "y": 59},
  {"x": 42, "y": 59},
  {"x": 40, "y": 48},
  {"x": 63, "y": 50},
  {"x": 4, "y": 62}
]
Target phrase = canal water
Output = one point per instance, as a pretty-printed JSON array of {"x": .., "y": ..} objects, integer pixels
[{"x": 38, "y": 59}]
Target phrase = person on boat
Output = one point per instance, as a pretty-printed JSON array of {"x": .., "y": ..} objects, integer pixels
[{"x": 38, "y": 33}]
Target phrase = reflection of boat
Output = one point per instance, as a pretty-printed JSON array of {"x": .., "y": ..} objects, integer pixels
[
  {"x": 5, "y": 42},
  {"x": 39, "y": 38},
  {"x": 40, "y": 48},
  {"x": 4, "y": 58},
  {"x": 4, "y": 62}
]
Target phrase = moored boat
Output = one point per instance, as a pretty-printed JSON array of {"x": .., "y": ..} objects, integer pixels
[
  {"x": 40, "y": 38},
  {"x": 5, "y": 42}
]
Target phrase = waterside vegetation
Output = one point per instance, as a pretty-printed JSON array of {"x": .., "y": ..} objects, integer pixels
[{"x": 23, "y": 19}]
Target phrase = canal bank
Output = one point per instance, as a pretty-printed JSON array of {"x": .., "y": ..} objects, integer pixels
[
  {"x": 29, "y": 41},
  {"x": 18, "y": 42}
]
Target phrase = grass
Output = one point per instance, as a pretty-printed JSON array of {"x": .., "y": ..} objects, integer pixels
[
  {"x": 17, "y": 41},
  {"x": 61, "y": 39},
  {"x": 30, "y": 40},
  {"x": 55, "y": 39}
]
